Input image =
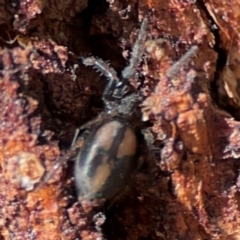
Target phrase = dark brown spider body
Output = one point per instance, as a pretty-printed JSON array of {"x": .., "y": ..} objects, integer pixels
[{"x": 105, "y": 162}]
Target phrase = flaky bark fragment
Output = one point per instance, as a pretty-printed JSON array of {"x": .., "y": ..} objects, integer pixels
[{"x": 23, "y": 159}]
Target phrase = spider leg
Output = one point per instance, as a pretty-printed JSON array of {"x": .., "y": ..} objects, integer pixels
[
  {"x": 75, "y": 137},
  {"x": 105, "y": 70},
  {"x": 174, "y": 69},
  {"x": 75, "y": 147},
  {"x": 114, "y": 87},
  {"x": 137, "y": 52}
]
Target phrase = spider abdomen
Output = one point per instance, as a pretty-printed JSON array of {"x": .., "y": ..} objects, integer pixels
[{"x": 104, "y": 164}]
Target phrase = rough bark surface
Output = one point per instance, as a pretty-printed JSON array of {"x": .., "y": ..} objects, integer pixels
[{"x": 188, "y": 185}]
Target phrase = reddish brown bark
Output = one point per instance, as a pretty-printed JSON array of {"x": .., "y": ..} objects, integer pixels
[{"x": 188, "y": 189}]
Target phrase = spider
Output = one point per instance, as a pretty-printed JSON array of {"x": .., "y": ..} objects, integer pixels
[{"x": 106, "y": 160}]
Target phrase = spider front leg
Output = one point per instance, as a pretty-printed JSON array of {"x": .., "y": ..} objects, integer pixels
[
  {"x": 106, "y": 71},
  {"x": 116, "y": 87},
  {"x": 174, "y": 69},
  {"x": 136, "y": 56}
]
